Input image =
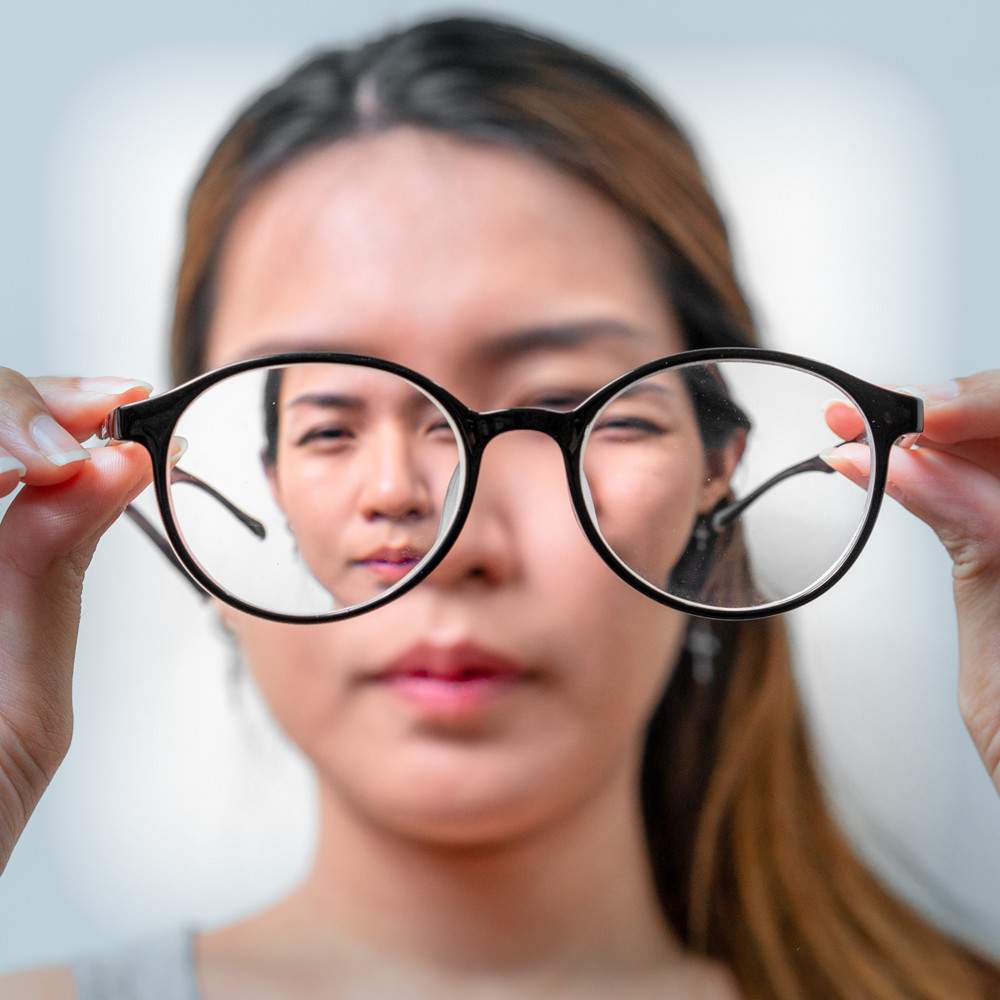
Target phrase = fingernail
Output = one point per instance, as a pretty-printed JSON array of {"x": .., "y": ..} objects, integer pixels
[
  {"x": 940, "y": 391},
  {"x": 178, "y": 445},
  {"x": 10, "y": 464},
  {"x": 936, "y": 392},
  {"x": 55, "y": 442},
  {"x": 856, "y": 455},
  {"x": 112, "y": 386}
]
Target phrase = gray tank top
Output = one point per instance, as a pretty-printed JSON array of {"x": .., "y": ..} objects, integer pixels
[{"x": 159, "y": 965}]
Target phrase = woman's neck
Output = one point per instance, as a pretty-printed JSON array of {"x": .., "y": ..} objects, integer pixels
[{"x": 574, "y": 899}]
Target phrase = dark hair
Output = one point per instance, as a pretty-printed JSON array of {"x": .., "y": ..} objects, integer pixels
[
  {"x": 750, "y": 864},
  {"x": 478, "y": 80}
]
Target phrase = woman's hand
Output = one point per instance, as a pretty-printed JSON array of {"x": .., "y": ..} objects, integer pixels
[
  {"x": 47, "y": 538},
  {"x": 951, "y": 480}
]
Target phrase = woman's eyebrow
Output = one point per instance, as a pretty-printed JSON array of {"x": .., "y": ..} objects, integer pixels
[
  {"x": 504, "y": 347},
  {"x": 515, "y": 344},
  {"x": 648, "y": 387},
  {"x": 347, "y": 401},
  {"x": 329, "y": 400},
  {"x": 305, "y": 346}
]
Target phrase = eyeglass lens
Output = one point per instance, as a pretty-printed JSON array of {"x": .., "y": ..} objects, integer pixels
[
  {"x": 318, "y": 487},
  {"x": 705, "y": 481}
]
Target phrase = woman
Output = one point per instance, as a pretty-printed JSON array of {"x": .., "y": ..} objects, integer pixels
[{"x": 624, "y": 831}]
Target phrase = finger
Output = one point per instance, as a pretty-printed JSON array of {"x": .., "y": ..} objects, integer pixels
[
  {"x": 47, "y": 539},
  {"x": 11, "y": 471},
  {"x": 843, "y": 419},
  {"x": 961, "y": 409},
  {"x": 64, "y": 521},
  {"x": 959, "y": 500},
  {"x": 846, "y": 422},
  {"x": 985, "y": 454},
  {"x": 41, "y": 426},
  {"x": 81, "y": 404}
]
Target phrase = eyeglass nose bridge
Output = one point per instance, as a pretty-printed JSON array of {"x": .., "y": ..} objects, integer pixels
[{"x": 565, "y": 428}]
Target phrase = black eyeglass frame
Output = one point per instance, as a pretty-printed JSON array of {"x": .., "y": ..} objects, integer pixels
[{"x": 889, "y": 415}]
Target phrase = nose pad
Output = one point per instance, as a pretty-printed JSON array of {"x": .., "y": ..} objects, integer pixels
[
  {"x": 450, "y": 502},
  {"x": 588, "y": 499}
]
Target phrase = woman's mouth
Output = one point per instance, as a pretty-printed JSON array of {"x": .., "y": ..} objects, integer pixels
[
  {"x": 451, "y": 682},
  {"x": 451, "y": 697},
  {"x": 387, "y": 570},
  {"x": 390, "y": 564}
]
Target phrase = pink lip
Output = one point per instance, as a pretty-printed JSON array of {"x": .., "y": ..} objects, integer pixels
[
  {"x": 451, "y": 682},
  {"x": 392, "y": 564}
]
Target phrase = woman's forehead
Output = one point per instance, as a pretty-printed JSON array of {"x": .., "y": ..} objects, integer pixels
[{"x": 411, "y": 244}]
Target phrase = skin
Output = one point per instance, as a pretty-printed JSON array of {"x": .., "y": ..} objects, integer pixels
[
  {"x": 505, "y": 859},
  {"x": 646, "y": 482},
  {"x": 435, "y": 837},
  {"x": 349, "y": 481}
]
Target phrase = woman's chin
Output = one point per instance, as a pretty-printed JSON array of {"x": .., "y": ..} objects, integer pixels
[
  {"x": 443, "y": 824},
  {"x": 461, "y": 805}
]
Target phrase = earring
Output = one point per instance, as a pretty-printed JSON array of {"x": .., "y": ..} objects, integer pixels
[
  {"x": 703, "y": 644},
  {"x": 702, "y": 533}
]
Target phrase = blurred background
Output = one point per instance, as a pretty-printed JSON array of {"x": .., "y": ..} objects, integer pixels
[{"x": 851, "y": 146}]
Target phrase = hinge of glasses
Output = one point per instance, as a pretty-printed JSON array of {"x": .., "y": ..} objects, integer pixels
[{"x": 109, "y": 429}]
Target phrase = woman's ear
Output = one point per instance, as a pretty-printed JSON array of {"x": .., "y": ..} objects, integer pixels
[{"x": 722, "y": 464}]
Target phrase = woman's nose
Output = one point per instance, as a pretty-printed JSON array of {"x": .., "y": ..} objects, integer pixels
[
  {"x": 395, "y": 483},
  {"x": 517, "y": 469}
]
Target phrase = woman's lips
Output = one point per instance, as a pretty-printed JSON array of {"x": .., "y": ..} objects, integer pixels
[
  {"x": 390, "y": 564},
  {"x": 451, "y": 699},
  {"x": 452, "y": 682},
  {"x": 389, "y": 571}
]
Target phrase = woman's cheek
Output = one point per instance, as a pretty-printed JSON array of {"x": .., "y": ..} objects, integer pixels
[
  {"x": 616, "y": 645},
  {"x": 294, "y": 668},
  {"x": 646, "y": 506},
  {"x": 320, "y": 515}
]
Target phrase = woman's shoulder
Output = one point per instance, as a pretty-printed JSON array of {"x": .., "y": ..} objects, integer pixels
[
  {"x": 158, "y": 963},
  {"x": 51, "y": 982},
  {"x": 699, "y": 978},
  {"x": 163, "y": 965},
  {"x": 231, "y": 964}
]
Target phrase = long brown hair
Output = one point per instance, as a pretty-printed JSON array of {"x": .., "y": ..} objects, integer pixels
[{"x": 750, "y": 864}]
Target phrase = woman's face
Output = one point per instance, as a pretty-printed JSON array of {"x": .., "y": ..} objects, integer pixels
[
  {"x": 510, "y": 284},
  {"x": 363, "y": 460}
]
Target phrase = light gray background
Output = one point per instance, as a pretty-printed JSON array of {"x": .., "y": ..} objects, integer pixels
[{"x": 853, "y": 151}]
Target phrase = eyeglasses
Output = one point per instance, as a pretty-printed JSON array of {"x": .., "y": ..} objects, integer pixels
[{"x": 318, "y": 486}]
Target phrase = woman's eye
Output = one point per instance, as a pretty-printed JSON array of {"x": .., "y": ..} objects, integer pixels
[
  {"x": 631, "y": 424},
  {"x": 323, "y": 433}
]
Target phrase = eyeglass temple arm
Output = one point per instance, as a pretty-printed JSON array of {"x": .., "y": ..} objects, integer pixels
[
  {"x": 138, "y": 518},
  {"x": 724, "y": 515},
  {"x": 178, "y": 475}
]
